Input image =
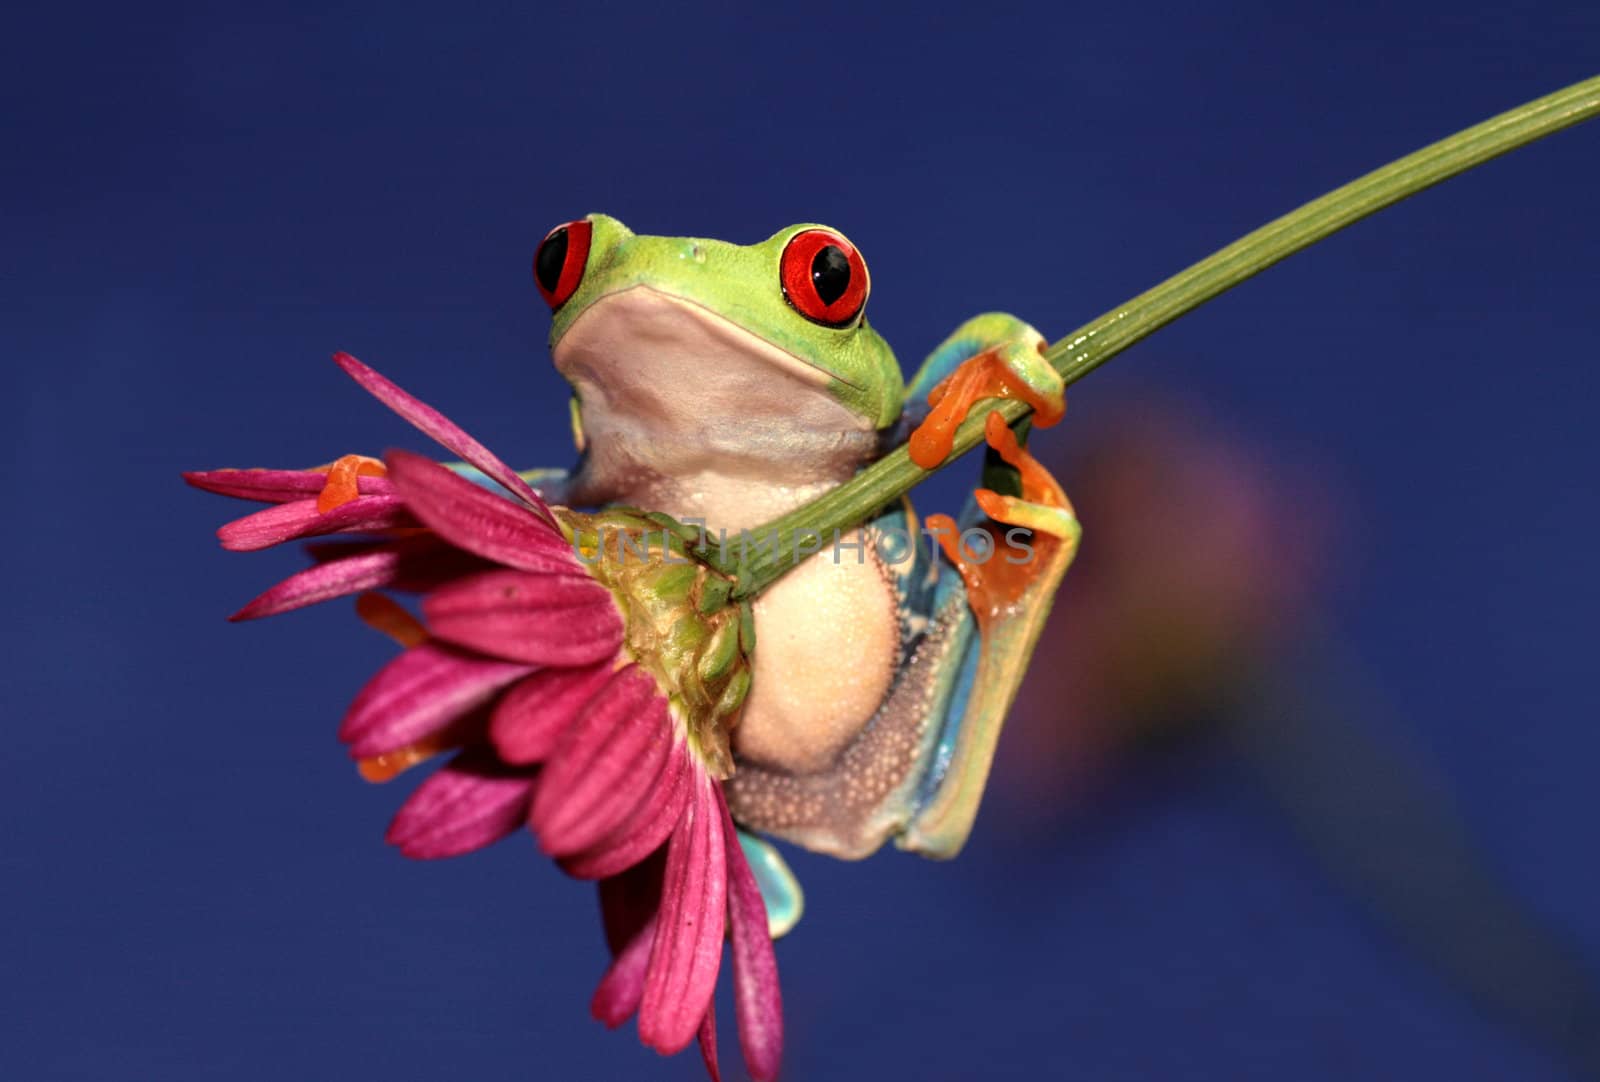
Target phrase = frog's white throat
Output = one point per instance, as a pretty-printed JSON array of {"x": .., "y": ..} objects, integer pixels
[{"x": 688, "y": 413}]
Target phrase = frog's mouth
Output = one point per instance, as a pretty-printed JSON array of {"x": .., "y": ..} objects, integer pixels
[{"x": 673, "y": 386}]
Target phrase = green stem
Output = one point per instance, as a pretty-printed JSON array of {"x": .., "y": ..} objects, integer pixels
[{"x": 1085, "y": 349}]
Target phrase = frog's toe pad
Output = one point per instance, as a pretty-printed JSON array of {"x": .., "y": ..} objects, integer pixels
[
  {"x": 342, "y": 485},
  {"x": 1056, "y": 521}
]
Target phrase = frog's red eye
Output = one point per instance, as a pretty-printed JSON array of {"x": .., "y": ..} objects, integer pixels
[
  {"x": 559, "y": 262},
  {"x": 824, "y": 277}
]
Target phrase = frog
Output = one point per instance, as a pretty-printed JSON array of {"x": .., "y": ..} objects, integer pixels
[{"x": 727, "y": 384}]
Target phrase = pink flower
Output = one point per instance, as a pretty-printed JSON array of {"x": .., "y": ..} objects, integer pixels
[{"x": 540, "y": 671}]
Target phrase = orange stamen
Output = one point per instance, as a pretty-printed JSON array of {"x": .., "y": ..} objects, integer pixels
[
  {"x": 385, "y": 614},
  {"x": 982, "y": 376},
  {"x": 342, "y": 485}
]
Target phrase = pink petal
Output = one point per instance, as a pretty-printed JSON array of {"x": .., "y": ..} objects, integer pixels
[
  {"x": 477, "y": 520},
  {"x": 708, "y": 1041},
  {"x": 629, "y": 901},
  {"x": 277, "y": 486},
  {"x": 409, "y": 563},
  {"x": 532, "y": 716},
  {"x": 605, "y": 765},
  {"x": 472, "y": 802},
  {"x": 623, "y": 984},
  {"x": 645, "y": 830},
  {"x": 300, "y": 518},
  {"x": 441, "y": 428},
  {"x": 427, "y": 560},
  {"x": 540, "y": 619},
  {"x": 337, "y": 578},
  {"x": 418, "y": 694},
  {"x": 756, "y": 993},
  {"x": 688, "y": 948}
]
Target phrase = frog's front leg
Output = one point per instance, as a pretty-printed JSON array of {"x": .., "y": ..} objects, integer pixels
[
  {"x": 994, "y": 355},
  {"x": 1010, "y": 580}
]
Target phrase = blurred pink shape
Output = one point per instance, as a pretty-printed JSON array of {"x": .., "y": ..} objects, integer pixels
[{"x": 1200, "y": 552}]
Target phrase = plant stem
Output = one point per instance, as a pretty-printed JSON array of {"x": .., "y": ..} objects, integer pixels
[{"x": 1085, "y": 349}]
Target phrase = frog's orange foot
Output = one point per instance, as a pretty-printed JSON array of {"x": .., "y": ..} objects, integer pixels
[
  {"x": 997, "y": 565},
  {"x": 382, "y": 613},
  {"x": 1015, "y": 369},
  {"x": 343, "y": 484},
  {"x": 1042, "y": 505}
]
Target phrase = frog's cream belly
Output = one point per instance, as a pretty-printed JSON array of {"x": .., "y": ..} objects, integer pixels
[
  {"x": 828, "y": 636},
  {"x": 827, "y": 633}
]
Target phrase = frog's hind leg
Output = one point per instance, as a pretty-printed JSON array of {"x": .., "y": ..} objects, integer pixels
[{"x": 1011, "y": 564}]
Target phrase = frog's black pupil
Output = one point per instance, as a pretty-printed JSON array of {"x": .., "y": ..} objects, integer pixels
[
  {"x": 551, "y": 258},
  {"x": 830, "y": 273}
]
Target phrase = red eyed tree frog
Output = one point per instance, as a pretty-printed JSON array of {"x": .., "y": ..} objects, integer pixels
[{"x": 730, "y": 384}]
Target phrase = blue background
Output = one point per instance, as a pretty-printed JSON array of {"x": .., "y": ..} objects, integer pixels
[{"x": 201, "y": 203}]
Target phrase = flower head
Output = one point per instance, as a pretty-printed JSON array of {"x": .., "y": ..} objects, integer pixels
[{"x": 583, "y": 670}]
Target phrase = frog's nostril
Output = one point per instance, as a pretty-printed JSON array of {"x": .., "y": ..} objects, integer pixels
[{"x": 696, "y": 253}]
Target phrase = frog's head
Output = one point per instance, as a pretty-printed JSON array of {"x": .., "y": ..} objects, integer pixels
[
  {"x": 685, "y": 308},
  {"x": 693, "y": 356}
]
